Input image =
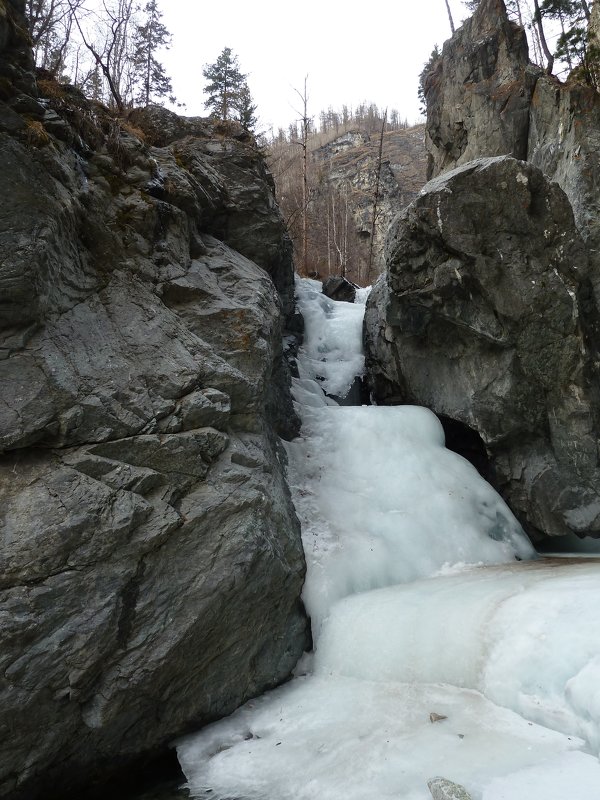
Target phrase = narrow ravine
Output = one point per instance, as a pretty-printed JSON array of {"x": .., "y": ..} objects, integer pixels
[{"x": 443, "y": 645}]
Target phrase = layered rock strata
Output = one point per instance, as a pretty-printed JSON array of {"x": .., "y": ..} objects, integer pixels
[{"x": 152, "y": 562}]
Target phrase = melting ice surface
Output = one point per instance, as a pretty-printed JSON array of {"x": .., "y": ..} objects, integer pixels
[{"x": 419, "y": 606}]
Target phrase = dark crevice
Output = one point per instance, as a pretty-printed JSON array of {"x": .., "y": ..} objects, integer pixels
[{"x": 468, "y": 443}]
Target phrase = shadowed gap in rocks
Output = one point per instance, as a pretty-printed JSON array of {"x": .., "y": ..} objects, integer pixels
[{"x": 468, "y": 443}]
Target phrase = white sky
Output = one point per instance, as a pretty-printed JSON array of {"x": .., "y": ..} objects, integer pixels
[{"x": 351, "y": 51}]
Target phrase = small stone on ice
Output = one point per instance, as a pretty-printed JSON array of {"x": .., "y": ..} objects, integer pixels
[
  {"x": 433, "y": 717},
  {"x": 442, "y": 789}
]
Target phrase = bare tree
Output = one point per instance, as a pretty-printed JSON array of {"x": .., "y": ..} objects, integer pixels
[
  {"x": 50, "y": 28},
  {"x": 452, "y": 28},
  {"x": 376, "y": 196},
  {"x": 303, "y": 143},
  {"x": 106, "y": 37},
  {"x": 537, "y": 18}
]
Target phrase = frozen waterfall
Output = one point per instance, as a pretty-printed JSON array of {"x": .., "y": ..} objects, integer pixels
[{"x": 426, "y": 599}]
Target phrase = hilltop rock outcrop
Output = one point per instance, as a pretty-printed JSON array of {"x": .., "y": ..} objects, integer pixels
[
  {"x": 347, "y": 176},
  {"x": 485, "y": 98},
  {"x": 350, "y": 167},
  {"x": 479, "y": 318},
  {"x": 479, "y": 92},
  {"x": 152, "y": 563}
]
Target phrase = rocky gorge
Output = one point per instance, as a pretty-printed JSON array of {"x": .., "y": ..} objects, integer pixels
[
  {"x": 152, "y": 565},
  {"x": 151, "y": 556},
  {"x": 488, "y": 313}
]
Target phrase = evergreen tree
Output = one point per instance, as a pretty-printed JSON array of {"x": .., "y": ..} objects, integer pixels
[
  {"x": 427, "y": 68},
  {"x": 225, "y": 85},
  {"x": 246, "y": 108},
  {"x": 150, "y": 76},
  {"x": 578, "y": 43}
]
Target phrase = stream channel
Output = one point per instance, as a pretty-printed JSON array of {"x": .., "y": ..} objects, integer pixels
[{"x": 444, "y": 645}]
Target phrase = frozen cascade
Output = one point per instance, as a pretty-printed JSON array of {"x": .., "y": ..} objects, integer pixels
[{"x": 419, "y": 606}]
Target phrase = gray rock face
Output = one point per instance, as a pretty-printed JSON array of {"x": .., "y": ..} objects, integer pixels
[
  {"x": 479, "y": 318},
  {"x": 339, "y": 289},
  {"x": 484, "y": 98},
  {"x": 227, "y": 185},
  {"x": 564, "y": 142},
  {"x": 16, "y": 59},
  {"x": 479, "y": 92},
  {"x": 534, "y": 401},
  {"x": 443, "y": 789},
  {"x": 152, "y": 562}
]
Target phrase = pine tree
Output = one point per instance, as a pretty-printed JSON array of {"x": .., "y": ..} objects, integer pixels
[
  {"x": 424, "y": 74},
  {"x": 576, "y": 44},
  {"x": 225, "y": 85},
  {"x": 150, "y": 76},
  {"x": 246, "y": 109}
]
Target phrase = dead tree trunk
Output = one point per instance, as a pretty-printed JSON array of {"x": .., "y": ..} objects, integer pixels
[
  {"x": 376, "y": 196},
  {"x": 450, "y": 17},
  {"x": 537, "y": 17}
]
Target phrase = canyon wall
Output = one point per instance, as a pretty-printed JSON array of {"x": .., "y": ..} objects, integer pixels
[{"x": 152, "y": 562}]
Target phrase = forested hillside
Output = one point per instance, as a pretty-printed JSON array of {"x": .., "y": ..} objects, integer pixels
[{"x": 339, "y": 187}]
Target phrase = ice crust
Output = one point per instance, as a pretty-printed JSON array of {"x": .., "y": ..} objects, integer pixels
[
  {"x": 349, "y": 739},
  {"x": 332, "y": 351},
  {"x": 418, "y": 605},
  {"x": 522, "y": 635},
  {"x": 383, "y": 502}
]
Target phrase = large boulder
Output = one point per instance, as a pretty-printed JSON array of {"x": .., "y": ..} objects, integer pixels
[
  {"x": 338, "y": 288},
  {"x": 480, "y": 318},
  {"x": 152, "y": 556},
  {"x": 479, "y": 91}
]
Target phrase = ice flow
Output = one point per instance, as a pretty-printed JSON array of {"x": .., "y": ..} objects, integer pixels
[{"x": 418, "y": 605}]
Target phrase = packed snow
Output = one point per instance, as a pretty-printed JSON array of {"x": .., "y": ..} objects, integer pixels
[{"x": 425, "y": 599}]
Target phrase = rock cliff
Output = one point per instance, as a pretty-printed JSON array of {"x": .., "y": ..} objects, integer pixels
[
  {"x": 490, "y": 310},
  {"x": 484, "y": 98},
  {"x": 152, "y": 562},
  {"x": 479, "y": 92}
]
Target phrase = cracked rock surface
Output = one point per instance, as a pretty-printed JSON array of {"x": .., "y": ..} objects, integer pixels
[
  {"x": 479, "y": 317},
  {"x": 151, "y": 557}
]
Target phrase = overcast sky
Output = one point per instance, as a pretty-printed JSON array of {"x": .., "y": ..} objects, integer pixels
[{"x": 352, "y": 51}]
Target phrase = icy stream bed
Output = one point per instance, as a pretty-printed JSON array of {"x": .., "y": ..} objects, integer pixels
[{"x": 443, "y": 646}]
